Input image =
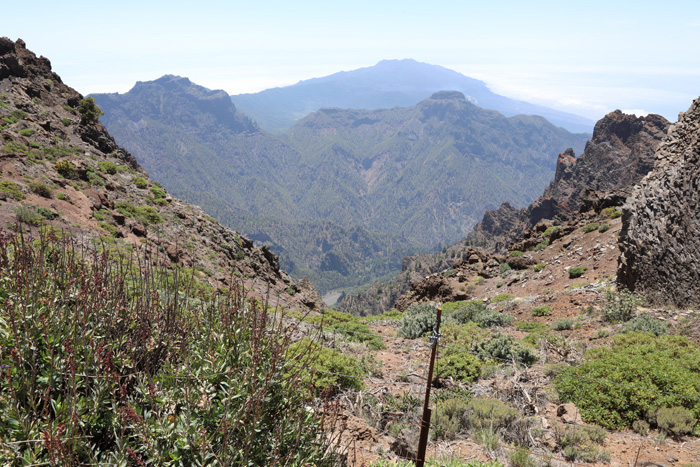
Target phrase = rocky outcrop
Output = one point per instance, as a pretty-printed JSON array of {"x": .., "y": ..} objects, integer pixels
[
  {"x": 660, "y": 252},
  {"x": 618, "y": 156}
]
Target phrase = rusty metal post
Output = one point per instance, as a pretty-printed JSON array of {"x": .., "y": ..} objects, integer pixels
[{"x": 425, "y": 424}]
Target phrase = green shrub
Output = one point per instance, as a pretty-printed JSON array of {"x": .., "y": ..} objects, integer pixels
[
  {"x": 530, "y": 326},
  {"x": 46, "y": 213},
  {"x": 451, "y": 416},
  {"x": 349, "y": 326},
  {"x": 621, "y": 306},
  {"x": 29, "y": 216},
  {"x": 502, "y": 347},
  {"x": 603, "y": 228},
  {"x": 502, "y": 298},
  {"x": 505, "y": 268},
  {"x": 646, "y": 323},
  {"x": 113, "y": 231},
  {"x": 676, "y": 421},
  {"x": 391, "y": 315},
  {"x": 89, "y": 111},
  {"x": 459, "y": 336},
  {"x": 417, "y": 320},
  {"x": 19, "y": 114},
  {"x": 542, "y": 310},
  {"x": 108, "y": 167},
  {"x": 66, "y": 121},
  {"x": 27, "y": 132},
  {"x": 12, "y": 189},
  {"x": 158, "y": 192},
  {"x": 62, "y": 196},
  {"x": 476, "y": 311},
  {"x": 66, "y": 168},
  {"x": 460, "y": 366},
  {"x": 330, "y": 369},
  {"x": 590, "y": 227},
  {"x": 515, "y": 253},
  {"x": 140, "y": 182},
  {"x": 541, "y": 246},
  {"x": 148, "y": 215},
  {"x": 539, "y": 266},
  {"x": 607, "y": 387},
  {"x": 563, "y": 324},
  {"x": 142, "y": 369},
  {"x": 521, "y": 458},
  {"x": 611, "y": 212},
  {"x": 577, "y": 271},
  {"x": 554, "y": 229},
  {"x": 641, "y": 427},
  {"x": 41, "y": 189}
]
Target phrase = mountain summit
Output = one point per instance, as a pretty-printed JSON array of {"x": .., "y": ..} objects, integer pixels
[{"x": 389, "y": 83}]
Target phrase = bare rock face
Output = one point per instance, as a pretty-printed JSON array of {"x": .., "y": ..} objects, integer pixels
[
  {"x": 618, "y": 156},
  {"x": 661, "y": 221}
]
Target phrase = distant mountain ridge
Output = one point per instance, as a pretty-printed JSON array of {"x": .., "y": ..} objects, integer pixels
[
  {"x": 344, "y": 194},
  {"x": 389, "y": 83}
]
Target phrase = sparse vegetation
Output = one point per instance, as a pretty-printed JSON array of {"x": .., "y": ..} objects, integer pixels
[
  {"x": 646, "y": 323},
  {"x": 611, "y": 212},
  {"x": 539, "y": 266},
  {"x": 27, "y": 132},
  {"x": 515, "y": 253},
  {"x": 108, "y": 167},
  {"x": 563, "y": 324},
  {"x": 603, "y": 228}
]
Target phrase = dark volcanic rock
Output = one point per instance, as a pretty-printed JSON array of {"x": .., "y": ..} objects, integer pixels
[
  {"x": 660, "y": 256},
  {"x": 618, "y": 156}
]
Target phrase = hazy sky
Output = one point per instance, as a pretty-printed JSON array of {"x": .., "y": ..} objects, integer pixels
[{"x": 583, "y": 57}]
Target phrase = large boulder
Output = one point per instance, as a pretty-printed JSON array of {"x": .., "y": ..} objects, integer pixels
[{"x": 660, "y": 251}]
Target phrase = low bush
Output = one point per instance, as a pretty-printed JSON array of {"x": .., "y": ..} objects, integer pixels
[
  {"x": 563, "y": 324},
  {"x": 646, "y": 323},
  {"x": 140, "y": 182},
  {"x": 621, "y": 306},
  {"x": 515, "y": 253},
  {"x": 502, "y": 347},
  {"x": 158, "y": 192},
  {"x": 476, "y": 311},
  {"x": 12, "y": 189},
  {"x": 502, "y": 298},
  {"x": 590, "y": 227},
  {"x": 66, "y": 168},
  {"x": 46, "y": 213},
  {"x": 417, "y": 320},
  {"x": 603, "y": 228},
  {"x": 676, "y": 421},
  {"x": 632, "y": 379},
  {"x": 330, "y": 370},
  {"x": 611, "y": 212},
  {"x": 541, "y": 246},
  {"x": 349, "y": 326},
  {"x": 462, "y": 367},
  {"x": 148, "y": 215},
  {"x": 539, "y": 266},
  {"x": 504, "y": 269},
  {"x": 27, "y": 132},
  {"x": 530, "y": 326},
  {"x": 41, "y": 189},
  {"x": 108, "y": 167},
  {"x": 552, "y": 230},
  {"x": 28, "y": 216},
  {"x": 542, "y": 310},
  {"x": 577, "y": 271}
]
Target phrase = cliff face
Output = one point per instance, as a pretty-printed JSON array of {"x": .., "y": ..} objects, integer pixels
[
  {"x": 618, "y": 156},
  {"x": 660, "y": 252},
  {"x": 59, "y": 168}
]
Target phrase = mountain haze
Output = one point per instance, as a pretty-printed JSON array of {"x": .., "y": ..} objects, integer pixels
[
  {"x": 387, "y": 84},
  {"x": 344, "y": 194}
]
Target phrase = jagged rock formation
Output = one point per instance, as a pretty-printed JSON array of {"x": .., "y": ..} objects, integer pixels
[
  {"x": 618, "y": 156},
  {"x": 660, "y": 251},
  {"x": 60, "y": 168}
]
